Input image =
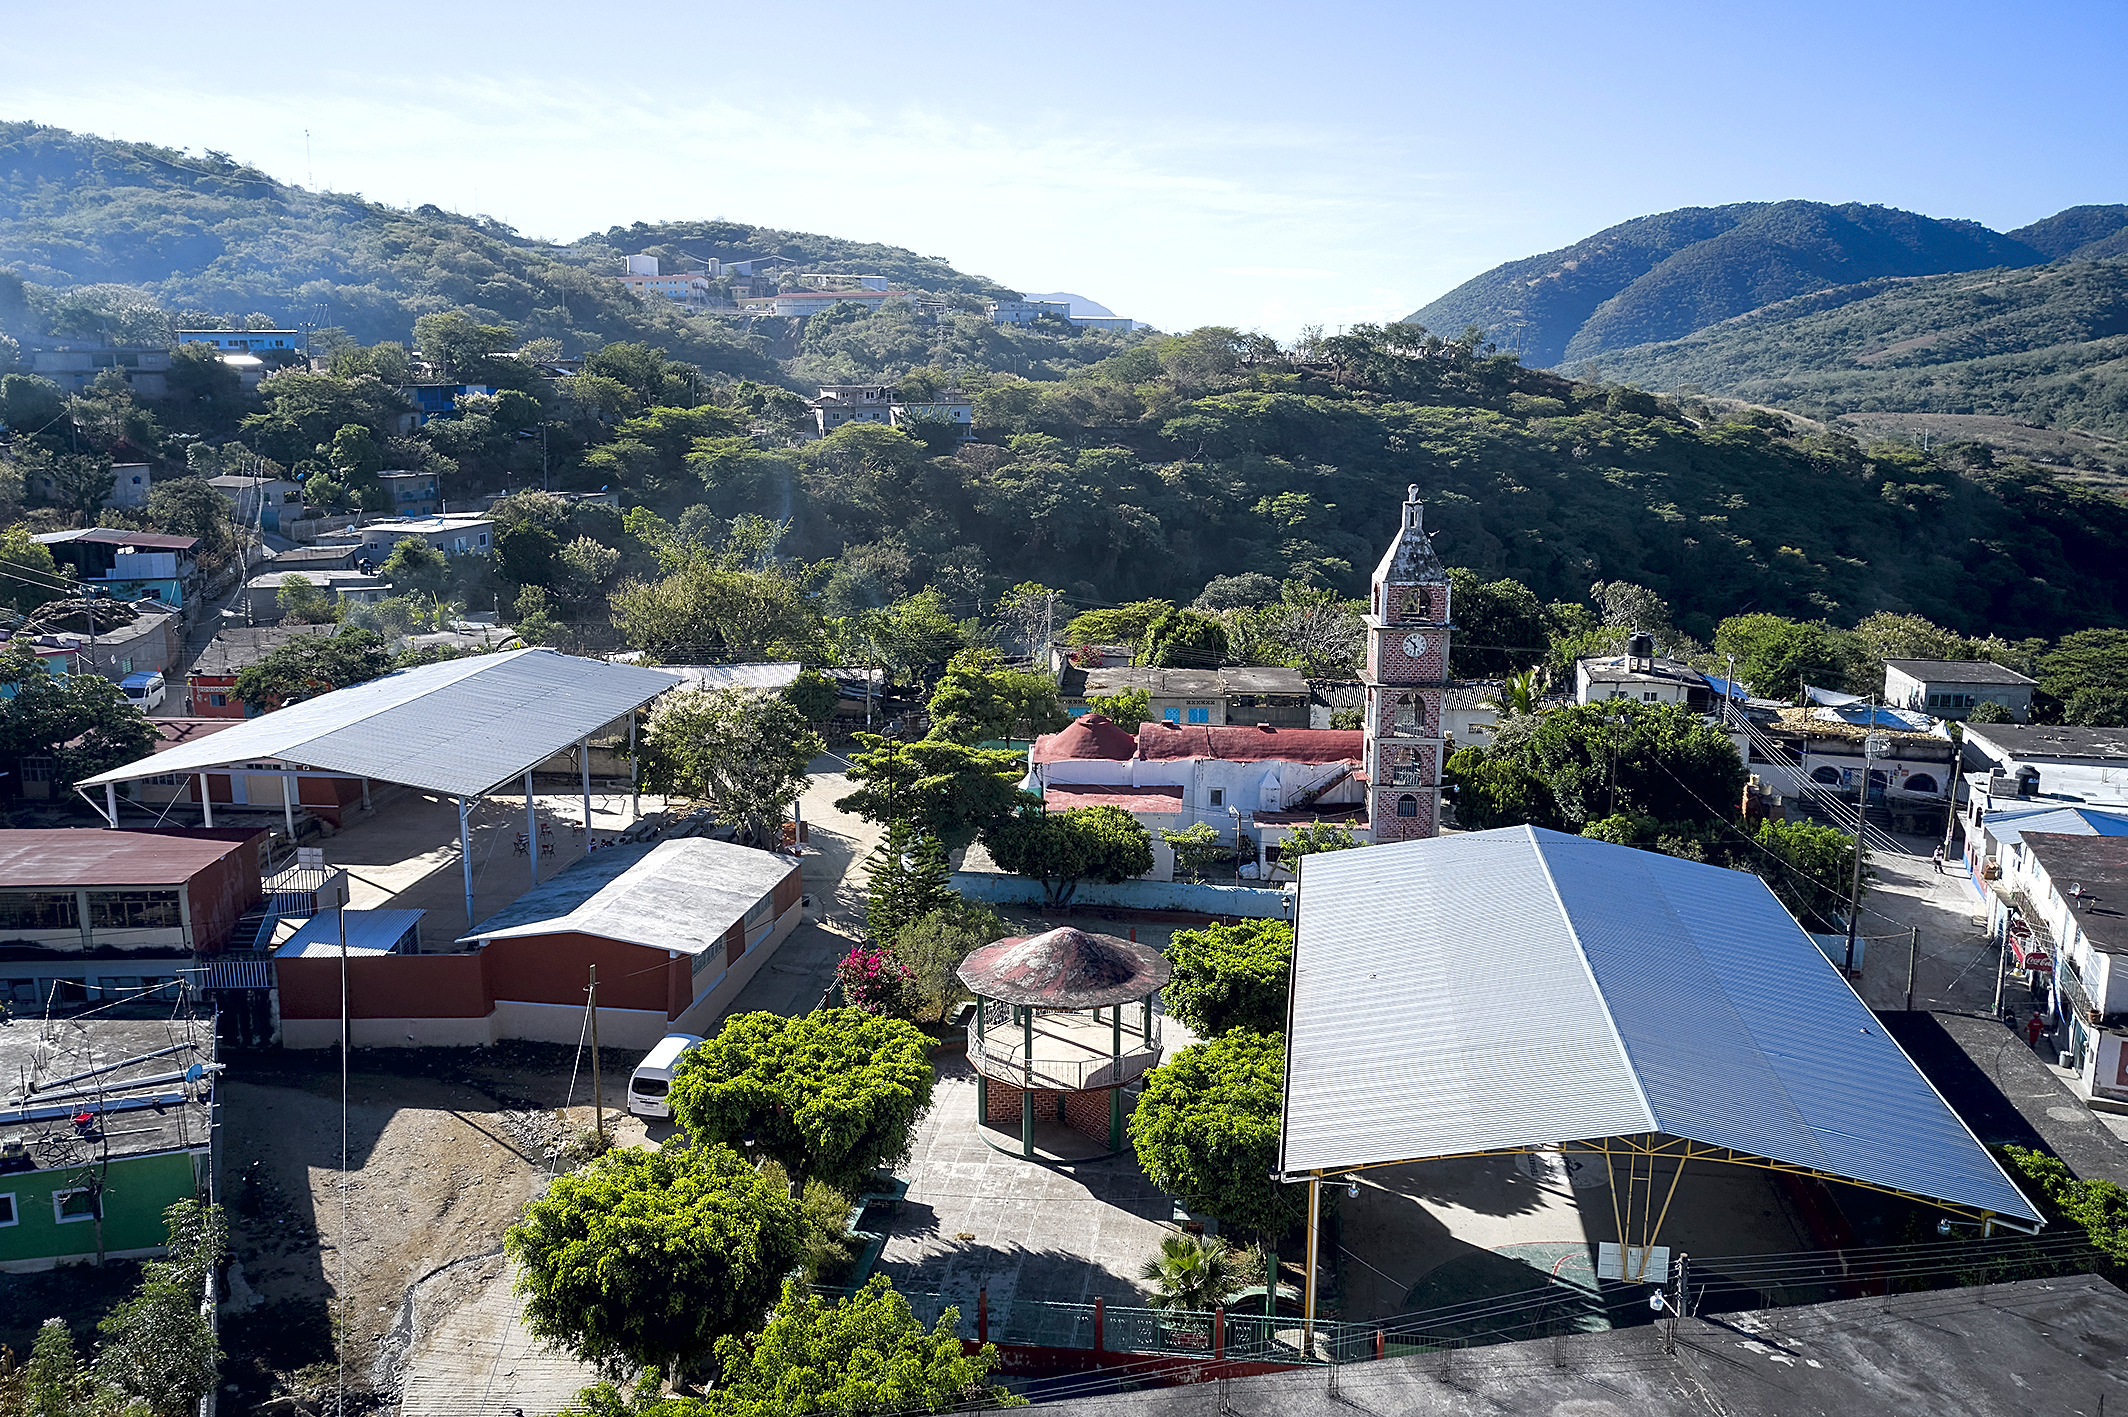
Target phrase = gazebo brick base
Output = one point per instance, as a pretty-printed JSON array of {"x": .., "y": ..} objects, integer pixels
[{"x": 1093, "y": 1114}]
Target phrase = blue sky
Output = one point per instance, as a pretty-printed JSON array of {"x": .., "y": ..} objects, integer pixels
[{"x": 1253, "y": 165}]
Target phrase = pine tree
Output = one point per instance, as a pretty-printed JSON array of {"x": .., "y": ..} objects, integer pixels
[{"x": 906, "y": 877}]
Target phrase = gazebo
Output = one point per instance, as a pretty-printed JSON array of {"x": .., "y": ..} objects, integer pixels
[{"x": 1056, "y": 1039}]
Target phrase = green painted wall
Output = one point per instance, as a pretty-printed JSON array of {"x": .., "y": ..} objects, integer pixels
[{"x": 137, "y": 1190}]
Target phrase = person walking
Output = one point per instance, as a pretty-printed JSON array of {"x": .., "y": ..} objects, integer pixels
[
  {"x": 1939, "y": 860},
  {"x": 2033, "y": 1028}
]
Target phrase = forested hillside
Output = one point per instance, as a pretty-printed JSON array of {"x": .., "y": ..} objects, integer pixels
[
  {"x": 2046, "y": 345},
  {"x": 152, "y": 232},
  {"x": 1663, "y": 277}
]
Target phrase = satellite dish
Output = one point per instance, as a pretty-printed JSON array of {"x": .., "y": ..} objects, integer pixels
[{"x": 195, "y": 1073}]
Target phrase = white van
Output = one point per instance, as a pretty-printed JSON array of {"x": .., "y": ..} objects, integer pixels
[
  {"x": 144, "y": 690},
  {"x": 653, "y": 1076}
]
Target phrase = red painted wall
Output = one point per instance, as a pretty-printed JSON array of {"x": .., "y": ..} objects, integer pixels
[
  {"x": 385, "y": 986},
  {"x": 220, "y": 892},
  {"x": 553, "y": 969}
]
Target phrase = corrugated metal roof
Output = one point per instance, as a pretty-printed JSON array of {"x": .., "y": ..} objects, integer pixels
[
  {"x": 98, "y": 856},
  {"x": 677, "y": 895},
  {"x": 1649, "y": 994},
  {"x": 459, "y": 727},
  {"x": 2011, "y": 826},
  {"x": 369, "y": 932},
  {"x": 1160, "y": 739}
]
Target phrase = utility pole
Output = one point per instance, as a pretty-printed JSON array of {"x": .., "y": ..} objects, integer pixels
[
  {"x": 598, "y": 1095},
  {"x": 1913, "y": 956},
  {"x": 1874, "y": 745}
]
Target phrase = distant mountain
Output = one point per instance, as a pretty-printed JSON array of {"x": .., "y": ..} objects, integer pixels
[
  {"x": 1663, "y": 277},
  {"x": 1079, "y": 304},
  {"x": 2088, "y": 233},
  {"x": 2044, "y": 345}
]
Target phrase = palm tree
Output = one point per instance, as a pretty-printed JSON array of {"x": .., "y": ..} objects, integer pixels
[
  {"x": 1518, "y": 693},
  {"x": 1191, "y": 1272}
]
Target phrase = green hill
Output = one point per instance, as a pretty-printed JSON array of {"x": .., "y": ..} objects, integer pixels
[
  {"x": 201, "y": 233},
  {"x": 2046, "y": 345},
  {"x": 1662, "y": 277},
  {"x": 2088, "y": 233}
]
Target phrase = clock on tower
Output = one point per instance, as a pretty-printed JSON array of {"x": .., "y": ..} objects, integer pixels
[{"x": 1407, "y": 676}]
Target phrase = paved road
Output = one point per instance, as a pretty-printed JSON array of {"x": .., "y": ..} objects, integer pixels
[{"x": 1957, "y": 961}]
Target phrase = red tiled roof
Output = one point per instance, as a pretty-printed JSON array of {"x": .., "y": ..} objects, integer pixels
[
  {"x": 1089, "y": 735},
  {"x": 1159, "y": 739},
  {"x": 1062, "y": 796}
]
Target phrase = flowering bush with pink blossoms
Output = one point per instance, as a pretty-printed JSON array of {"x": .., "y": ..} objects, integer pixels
[{"x": 875, "y": 981}]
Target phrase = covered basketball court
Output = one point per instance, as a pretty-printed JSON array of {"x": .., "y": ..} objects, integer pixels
[
  {"x": 1515, "y": 991},
  {"x": 462, "y": 729}
]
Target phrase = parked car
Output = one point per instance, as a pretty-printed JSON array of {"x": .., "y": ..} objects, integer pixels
[
  {"x": 145, "y": 690},
  {"x": 647, "y": 1089}
]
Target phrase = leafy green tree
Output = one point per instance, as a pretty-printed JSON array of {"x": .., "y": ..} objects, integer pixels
[
  {"x": 935, "y": 945},
  {"x": 1061, "y": 849},
  {"x": 1988, "y": 711},
  {"x": 1231, "y": 976},
  {"x": 814, "y": 695},
  {"x": 1206, "y": 1131},
  {"x": 302, "y": 602},
  {"x": 189, "y": 506},
  {"x": 54, "y": 1383},
  {"x": 82, "y": 720},
  {"x": 748, "y": 752},
  {"x": 704, "y": 612},
  {"x": 30, "y": 403},
  {"x": 1194, "y": 1273},
  {"x": 1595, "y": 760},
  {"x": 863, "y": 1353},
  {"x": 525, "y": 554},
  {"x": 81, "y": 482},
  {"x": 1500, "y": 626},
  {"x": 947, "y": 792},
  {"x": 1126, "y": 710},
  {"x": 1494, "y": 790},
  {"x": 1312, "y": 839},
  {"x": 416, "y": 568},
  {"x": 1184, "y": 639},
  {"x": 354, "y": 454},
  {"x": 303, "y": 411},
  {"x": 311, "y": 665},
  {"x": 464, "y": 347},
  {"x": 1242, "y": 592},
  {"x": 1116, "y": 625},
  {"x": 1197, "y": 847},
  {"x": 1810, "y": 867},
  {"x": 34, "y": 578},
  {"x": 643, "y": 1259},
  {"x": 1777, "y": 656},
  {"x": 832, "y": 1094},
  {"x": 158, "y": 1349},
  {"x": 905, "y": 876},
  {"x": 979, "y": 699},
  {"x": 2088, "y": 672}
]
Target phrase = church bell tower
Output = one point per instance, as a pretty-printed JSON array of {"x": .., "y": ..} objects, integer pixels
[{"x": 1407, "y": 677}]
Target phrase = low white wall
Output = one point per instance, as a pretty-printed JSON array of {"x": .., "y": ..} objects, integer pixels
[
  {"x": 564, "y": 1023},
  {"x": 390, "y": 1032}
]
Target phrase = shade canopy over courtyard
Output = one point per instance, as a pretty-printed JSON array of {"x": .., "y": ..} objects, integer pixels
[
  {"x": 1629, "y": 994},
  {"x": 462, "y": 728}
]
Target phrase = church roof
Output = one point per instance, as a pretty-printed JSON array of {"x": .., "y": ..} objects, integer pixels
[
  {"x": 1411, "y": 557},
  {"x": 1159, "y": 739}
]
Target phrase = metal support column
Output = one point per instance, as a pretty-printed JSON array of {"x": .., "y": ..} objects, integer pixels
[
  {"x": 110, "y": 802},
  {"x": 1145, "y": 1023},
  {"x": 1315, "y": 1215},
  {"x": 531, "y": 828},
  {"x": 1115, "y": 1094},
  {"x": 288, "y": 808},
  {"x": 206, "y": 800},
  {"x": 583, "y": 758},
  {"x": 1027, "y": 1093},
  {"x": 365, "y": 794},
  {"x": 635, "y": 784},
  {"x": 465, "y": 854}
]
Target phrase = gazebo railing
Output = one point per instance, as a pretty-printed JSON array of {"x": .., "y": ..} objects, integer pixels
[{"x": 1072, "y": 1051}]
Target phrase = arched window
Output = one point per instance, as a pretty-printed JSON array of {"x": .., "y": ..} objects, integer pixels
[
  {"x": 1828, "y": 776},
  {"x": 1920, "y": 782},
  {"x": 1408, "y": 714},
  {"x": 1407, "y": 805}
]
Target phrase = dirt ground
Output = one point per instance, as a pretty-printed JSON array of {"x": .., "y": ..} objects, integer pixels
[{"x": 445, "y": 1149}]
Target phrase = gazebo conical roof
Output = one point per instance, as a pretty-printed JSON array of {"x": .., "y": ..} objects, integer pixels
[{"x": 1064, "y": 969}]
